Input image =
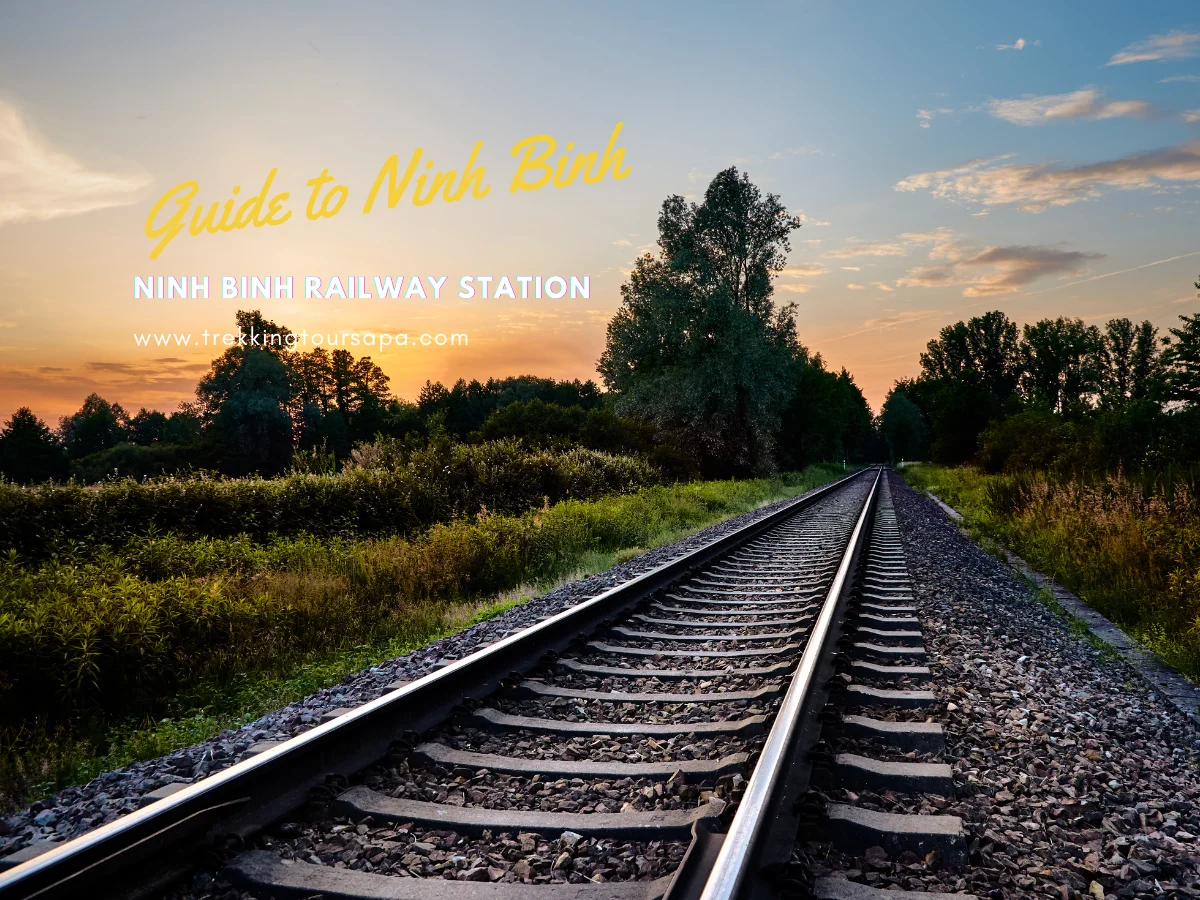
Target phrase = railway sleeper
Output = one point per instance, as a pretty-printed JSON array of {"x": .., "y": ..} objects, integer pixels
[
  {"x": 771, "y": 671},
  {"x": 828, "y": 888},
  {"x": 861, "y": 772},
  {"x": 493, "y": 719},
  {"x": 693, "y": 771},
  {"x": 676, "y": 638},
  {"x": 536, "y": 689},
  {"x": 660, "y": 824},
  {"x": 926, "y": 737},
  {"x": 620, "y": 650},
  {"x": 266, "y": 872},
  {"x": 869, "y": 671},
  {"x": 853, "y": 829}
]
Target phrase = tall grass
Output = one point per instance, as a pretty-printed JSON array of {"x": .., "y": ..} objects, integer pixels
[
  {"x": 159, "y": 624},
  {"x": 400, "y": 496},
  {"x": 1131, "y": 549}
]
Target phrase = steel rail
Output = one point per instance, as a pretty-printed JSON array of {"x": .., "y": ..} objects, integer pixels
[
  {"x": 736, "y": 859},
  {"x": 250, "y": 794}
]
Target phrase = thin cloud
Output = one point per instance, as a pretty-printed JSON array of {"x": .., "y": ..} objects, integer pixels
[
  {"x": 1036, "y": 186},
  {"x": 867, "y": 248},
  {"x": 925, "y": 116},
  {"x": 803, "y": 270},
  {"x": 897, "y": 318},
  {"x": 999, "y": 270},
  {"x": 1192, "y": 116},
  {"x": 1174, "y": 44},
  {"x": 882, "y": 286},
  {"x": 1194, "y": 79},
  {"x": 808, "y": 220},
  {"x": 796, "y": 287},
  {"x": 1088, "y": 103},
  {"x": 39, "y": 183},
  {"x": 856, "y": 287},
  {"x": 943, "y": 240},
  {"x": 851, "y": 268},
  {"x": 621, "y": 242},
  {"x": 1018, "y": 44}
]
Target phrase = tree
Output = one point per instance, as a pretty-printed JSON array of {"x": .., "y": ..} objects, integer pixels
[
  {"x": 336, "y": 399},
  {"x": 29, "y": 451},
  {"x": 904, "y": 427},
  {"x": 986, "y": 348},
  {"x": 148, "y": 427},
  {"x": 97, "y": 426},
  {"x": 1130, "y": 366},
  {"x": 826, "y": 420},
  {"x": 1063, "y": 362},
  {"x": 697, "y": 347},
  {"x": 245, "y": 398},
  {"x": 1183, "y": 361}
]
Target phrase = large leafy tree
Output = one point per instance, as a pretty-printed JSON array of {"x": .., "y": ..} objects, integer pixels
[
  {"x": 827, "y": 418},
  {"x": 1063, "y": 362},
  {"x": 337, "y": 399},
  {"x": 97, "y": 426},
  {"x": 245, "y": 397},
  {"x": 1182, "y": 360},
  {"x": 698, "y": 347},
  {"x": 970, "y": 374},
  {"x": 985, "y": 348},
  {"x": 903, "y": 427},
  {"x": 29, "y": 451},
  {"x": 1130, "y": 364}
]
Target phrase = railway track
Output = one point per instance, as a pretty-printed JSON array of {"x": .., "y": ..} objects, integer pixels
[{"x": 669, "y": 737}]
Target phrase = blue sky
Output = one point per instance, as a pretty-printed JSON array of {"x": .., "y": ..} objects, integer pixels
[{"x": 948, "y": 159}]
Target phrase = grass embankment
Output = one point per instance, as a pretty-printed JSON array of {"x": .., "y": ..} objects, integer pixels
[
  {"x": 115, "y": 652},
  {"x": 1132, "y": 553}
]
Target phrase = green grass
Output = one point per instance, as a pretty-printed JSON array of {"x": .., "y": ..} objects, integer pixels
[
  {"x": 111, "y": 655},
  {"x": 1133, "y": 556}
]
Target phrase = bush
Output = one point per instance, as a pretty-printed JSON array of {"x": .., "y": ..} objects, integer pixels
[
  {"x": 404, "y": 496},
  {"x": 122, "y": 630}
]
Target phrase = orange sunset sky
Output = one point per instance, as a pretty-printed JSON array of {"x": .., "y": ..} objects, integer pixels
[{"x": 946, "y": 160}]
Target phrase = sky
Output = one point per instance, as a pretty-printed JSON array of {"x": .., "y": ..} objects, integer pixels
[{"x": 946, "y": 159}]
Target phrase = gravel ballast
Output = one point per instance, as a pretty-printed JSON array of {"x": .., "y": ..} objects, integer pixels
[{"x": 1073, "y": 778}]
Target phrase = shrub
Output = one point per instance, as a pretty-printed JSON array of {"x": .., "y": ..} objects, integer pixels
[{"x": 403, "y": 497}]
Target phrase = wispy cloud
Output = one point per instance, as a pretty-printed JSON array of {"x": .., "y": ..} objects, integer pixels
[
  {"x": 851, "y": 268},
  {"x": 1088, "y": 103},
  {"x": 803, "y": 270},
  {"x": 867, "y": 248},
  {"x": 1018, "y": 44},
  {"x": 1192, "y": 116},
  {"x": 882, "y": 286},
  {"x": 925, "y": 116},
  {"x": 999, "y": 270},
  {"x": 856, "y": 287},
  {"x": 897, "y": 318},
  {"x": 621, "y": 242},
  {"x": 807, "y": 219},
  {"x": 1157, "y": 262},
  {"x": 38, "y": 182},
  {"x": 1036, "y": 186},
  {"x": 1174, "y": 44},
  {"x": 1194, "y": 79},
  {"x": 943, "y": 241},
  {"x": 795, "y": 287}
]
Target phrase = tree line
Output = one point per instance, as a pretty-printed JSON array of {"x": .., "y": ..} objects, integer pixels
[
  {"x": 703, "y": 375},
  {"x": 1055, "y": 393}
]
